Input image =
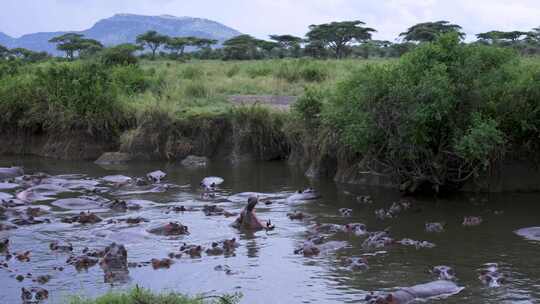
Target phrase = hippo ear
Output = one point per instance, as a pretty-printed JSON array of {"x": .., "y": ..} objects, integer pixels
[{"x": 390, "y": 298}]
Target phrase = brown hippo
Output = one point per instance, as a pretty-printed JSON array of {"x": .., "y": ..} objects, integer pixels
[
  {"x": 82, "y": 262},
  {"x": 297, "y": 215},
  {"x": 56, "y": 246},
  {"x": 248, "y": 220},
  {"x": 163, "y": 263},
  {"x": 172, "y": 228},
  {"x": 114, "y": 263},
  {"x": 417, "y": 292},
  {"x": 193, "y": 251},
  {"x": 83, "y": 218},
  {"x": 34, "y": 295}
]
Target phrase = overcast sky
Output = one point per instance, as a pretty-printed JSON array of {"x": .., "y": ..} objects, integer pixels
[{"x": 263, "y": 17}]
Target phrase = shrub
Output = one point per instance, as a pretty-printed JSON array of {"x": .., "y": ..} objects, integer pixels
[
  {"x": 130, "y": 79},
  {"x": 258, "y": 70},
  {"x": 233, "y": 71},
  {"x": 196, "y": 90},
  {"x": 191, "y": 72},
  {"x": 123, "y": 54},
  {"x": 434, "y": 118}
]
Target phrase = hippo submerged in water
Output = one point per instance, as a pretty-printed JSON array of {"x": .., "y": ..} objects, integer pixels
[
  {"x": 11, "y": 172},
  {"x": 34, "y": 295},
  {"x": 417, "y": 292}
]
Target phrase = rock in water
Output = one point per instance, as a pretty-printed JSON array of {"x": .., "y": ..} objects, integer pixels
[{"x": 113, "y": 158}]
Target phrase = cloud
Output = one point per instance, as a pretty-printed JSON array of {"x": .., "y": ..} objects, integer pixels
[{"x": 263, "y": 17}]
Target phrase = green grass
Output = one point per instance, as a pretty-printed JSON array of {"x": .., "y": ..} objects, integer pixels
[{"x": 143, "y": 296}]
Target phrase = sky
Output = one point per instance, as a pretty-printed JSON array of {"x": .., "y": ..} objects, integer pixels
[{"x": 261, "y": 18}]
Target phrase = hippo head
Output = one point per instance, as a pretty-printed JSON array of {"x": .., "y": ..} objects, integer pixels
[
  {"x": 378, "y": 299},
  {"x": 33, "y": 295},
  {"x": 444, "y": 272},
  {"x": 252, "y": 202},
  {"x": 492, "y": 280}
]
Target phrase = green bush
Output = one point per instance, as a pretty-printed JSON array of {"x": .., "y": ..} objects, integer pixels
[
  {"x": 192, "y": 73},
  {"x": 296, "y": 70},
  {"x": 130, "y": 79},
  {"x": 233, "y": 71},
  {"x": 123, "y": 54},
  {"x": 144, "y": 296},
  {"x": 258, "y": 70},
  {"x": 438, "y": 116},
  {"x": 309, "y": 106},
  {"x": 196, "y": 90}
]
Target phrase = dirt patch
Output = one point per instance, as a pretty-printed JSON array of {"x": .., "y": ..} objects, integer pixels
[{"x": 276, "y": 101}]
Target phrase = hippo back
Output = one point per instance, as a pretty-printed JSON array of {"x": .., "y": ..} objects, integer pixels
[{"x": 434, "y": 289}]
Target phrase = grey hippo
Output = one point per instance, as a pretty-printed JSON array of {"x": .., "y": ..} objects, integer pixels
[{"x": 418, "y": 292}]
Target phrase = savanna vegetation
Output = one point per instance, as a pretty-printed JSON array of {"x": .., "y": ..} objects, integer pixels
[{"x": 436, "y": 117}]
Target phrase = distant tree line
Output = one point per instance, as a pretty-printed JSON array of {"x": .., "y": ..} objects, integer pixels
[{"x": 344, "y": 39}]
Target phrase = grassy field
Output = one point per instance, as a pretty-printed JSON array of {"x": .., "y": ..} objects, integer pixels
[{"x": 203, "y": 86}]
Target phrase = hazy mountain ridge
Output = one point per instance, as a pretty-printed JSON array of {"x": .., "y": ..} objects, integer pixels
[{"x": 122, "y": 28}]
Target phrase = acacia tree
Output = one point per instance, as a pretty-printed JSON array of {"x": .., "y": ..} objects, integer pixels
[
  {"x": 288, "y": 43},
  {"x": 152, "y": 40},
  {"x": 72, "y": 43},
  {"x": 4, "y": 52},
  {"x": 430, "y": 31},
  {"x": 177, "y": 45},
  {"x": 491, "y": 37},
  {"x": 338, "y": 35},
  {"x": 240, "y": 47}
]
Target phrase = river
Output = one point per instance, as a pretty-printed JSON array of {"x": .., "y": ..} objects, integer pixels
[{"x": 264, "y": 267}]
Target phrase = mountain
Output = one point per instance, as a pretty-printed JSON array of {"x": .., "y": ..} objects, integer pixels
[{"x": 124, "y": 28}]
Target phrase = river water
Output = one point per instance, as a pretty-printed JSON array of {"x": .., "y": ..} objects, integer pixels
[{"x": 265, "y": 268}]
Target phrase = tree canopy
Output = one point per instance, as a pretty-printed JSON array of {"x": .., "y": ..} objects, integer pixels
[
  {"x": 72, "y": 43},
  {"x": 241, "y": 47},
  {"x": 337, "y": 35},
  {"x": 430, "y": 31},
  {"x": 152, "y": 40}
]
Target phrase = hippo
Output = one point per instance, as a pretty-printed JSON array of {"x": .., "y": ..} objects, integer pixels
[
  {"x": 8, "y": 186},
  {"x": 117, "y": 180},
  {"x": 357, "y": 229},
  {"x": 364, "y": 199},
  {"x": 42, "y": 192},
  {"x": 443, "y": 272},
  {"x": 29, "y": 221},
  {"x": 346, "y": 212},
  {"x": 114, "y": 263},
  {"x": 210, "y": 183},
  {"x": 34, "y": 295},
  {"x": 491, "y": 276},
  {"x": 172, "y": 228},
  {"x": 83, "y": 218},
  {"x": 4, "y": 245},
  {"x": 356, "y": 264},
  {"x": 82, "y": 262},
  {"x": 378, "y": 240},
  {"x": 470, "y": 221},
  {"x": 325, "y": 228},
  {"x": 193, "y": 251},
  {"x": 23, "y": 256},
  {"x": 118, "y": 205},
  {"x": 6, "y": 173},
  {"x": 56, "y": 246},
  {"x": 42, "y": 279},
  {"x": 304, "y": 195},
  {"x": 215, "y": 249},
  {"x": 213, "y": 210},
  {"x": 79, "y": 203},
  {"x": 310, "y": 248},
  {"x": 417, "y": 244},
  {"x": 382, "y": 214},
  {"x": 225, "y": 268},
  {"x": 93, "y": 253},
  {"x": 35, "y": 212},
  {"x": 418, "y": 292},
  {"x": 163, "y": 263},
  {"x": 434, "y": 227},
  {"x": 531, "y": 233},
  {"x": 156, "y": 176},
  {"x": 295, "y": 215},
  {"x": 248, "y": 220}
]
